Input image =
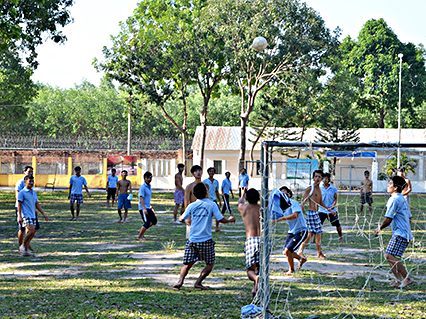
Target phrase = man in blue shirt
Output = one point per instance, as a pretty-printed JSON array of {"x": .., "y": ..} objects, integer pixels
[
  {"x": 77, "y": 182},
  {"x": 200, "y": 246},
  {"x": 111, "y": 187},
  {"x": 329, "y": 198},
  {"x": 213, "y": 185},
  {"x": 243, "y": 180},
  {"x": 297, "y": 233},
  {"x": 27, "y": 218},
  {"x": 397, "y": 215},
  {"x": 145, "y": 208},
  {"x": 226, "y": 189}
]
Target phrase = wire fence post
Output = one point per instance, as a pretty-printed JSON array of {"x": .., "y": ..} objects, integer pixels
[{"x": 264, "y": 231}]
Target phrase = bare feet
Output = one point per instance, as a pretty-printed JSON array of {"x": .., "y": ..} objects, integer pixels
[
  {"x": 142, "y": 238},
  {"x": 320, "y": 255},
  {"x": 119, "y": 221},
  {"x": 407, "y": 281},
  {"x": 218, "y": 230},
  {"x": 289, "y": 273},
  {"x": 301, "y": 255},
  {"x": 31, "y": 248},
  {"x": 72, "y": 218},
  {"x": 301, "y": 262},
  {"x": 124, "y": 221},
  {"x": 395, "y": 284},
  {"x": 76, "y": 219},
  {"x": 178, "y": 285},
  {"x": 200, "y": 286},
  {"x": 341, "y": 240}
]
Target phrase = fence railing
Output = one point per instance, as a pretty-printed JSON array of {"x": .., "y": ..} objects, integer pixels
[{"x": 90, "y": 143}]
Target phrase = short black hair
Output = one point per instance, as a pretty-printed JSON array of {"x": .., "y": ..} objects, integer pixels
[
  {"x": 243, "y": 169},
  {"x": 367, "y": 172},
  {"x": 181, "y": 165},
  {"x": 399, "y": 183},
  {"x": 28, "y": 177},
  {"x": 214, "y": 169},
  {"x": 26, "y": 168},
  {"x": 317, "y": 171},
  {"x": 124, "y": 171},
  {"x": 227, "y": 172},
  {"x": 147, "y": 174},
  {"x": 199, "y": 191},
  {"x": 328, "y": 175},
  {"x": 77, "y": 168},
  {"x": 289, "y": 192},
  {"x": 401, "y": 169},
  {"x": 196, "y": 168},
  {"x": 252, "y": 196},
  {"x": 113, "y": 170}
]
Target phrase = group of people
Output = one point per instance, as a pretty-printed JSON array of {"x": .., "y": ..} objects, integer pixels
[{"x": 200, "y": 201}]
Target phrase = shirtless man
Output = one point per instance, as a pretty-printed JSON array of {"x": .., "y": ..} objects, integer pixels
[
  {"x": 313, "y": 221},
  {"x": 250, "y": 214},
  {"x": 179, "y": 193},
  {"x": 407, "y": 189},
  {"x": 366, "y": 192},
  {"x": 123, "y": 187}
]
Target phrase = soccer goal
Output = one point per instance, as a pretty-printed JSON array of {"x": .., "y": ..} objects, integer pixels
[{"x": 351, "y": 278}]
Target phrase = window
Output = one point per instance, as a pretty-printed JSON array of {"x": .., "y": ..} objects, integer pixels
[{"x": 218, "y": 166}]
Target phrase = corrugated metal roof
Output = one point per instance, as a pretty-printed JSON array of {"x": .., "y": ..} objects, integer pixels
[{"x": 228, "y": 137}]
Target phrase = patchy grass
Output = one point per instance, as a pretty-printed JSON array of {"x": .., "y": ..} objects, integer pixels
[{"x": 93, "y": 268}]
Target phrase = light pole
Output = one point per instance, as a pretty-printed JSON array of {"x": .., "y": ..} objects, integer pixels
[{"x": 398, "y": 161}]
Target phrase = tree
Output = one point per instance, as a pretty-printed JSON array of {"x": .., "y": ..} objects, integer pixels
[
  {"x": 297, "y": 39},
  {"x": 409, "y": 163},
  {"x": 373, "y": 58},
  {"x": 24, "y": 23}
]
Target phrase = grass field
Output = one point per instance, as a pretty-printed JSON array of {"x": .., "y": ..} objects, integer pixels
[{"x": 95, "y": 268}]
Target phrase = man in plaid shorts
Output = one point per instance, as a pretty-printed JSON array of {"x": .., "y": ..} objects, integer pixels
[
  {"x": 77, "y": 182},
  {"x": 179, "y": 193},
  {"x": 27, "y": 204},
  {"x": 313, "y": 221},
  {"x": 397, "y": 215},
  {"x": 200, "y": 245}
]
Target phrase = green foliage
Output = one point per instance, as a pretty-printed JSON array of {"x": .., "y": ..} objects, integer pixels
[
  {"x": 24, "y": 24},
  {"x": 373, "y": 59},
  {"x": 409, "y": 163}
]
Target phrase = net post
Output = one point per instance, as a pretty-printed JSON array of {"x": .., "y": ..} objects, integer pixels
[{"x": 264, "y": 233}]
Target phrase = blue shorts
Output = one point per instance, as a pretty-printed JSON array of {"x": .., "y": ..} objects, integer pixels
[
  {"x": 294, "y": 241},
  {"x": 148, "y": 219},
  {"x": 396, "y": 246},
  {"x": 122, "y": 201},
  {"x": 313, "y": 222},
  {"x": 76, "y": 197}
]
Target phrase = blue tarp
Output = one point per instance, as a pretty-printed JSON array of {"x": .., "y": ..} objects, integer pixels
[{"x": 350, "y": 154}]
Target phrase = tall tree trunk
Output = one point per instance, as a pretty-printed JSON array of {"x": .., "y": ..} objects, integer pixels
[
  {"x": 382, "y": 118},
  {"x": 254, "y": 144},
  {"x": 184, "y": 151},
  {"x": 203, "y": 120},
  {"x": 242, "y": 157}
]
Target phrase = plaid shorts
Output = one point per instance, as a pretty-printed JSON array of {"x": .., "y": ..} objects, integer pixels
[
  {"x": 313, "y": 222},
  {"x": 76, "y": 197},
  {"x": 396, "y": 246},
  {"x": 252, "y": 249},
  {"x": 203, "y": 251},
  {"x": 179, "y": 196},
  {"x": 29, "y": 221}
]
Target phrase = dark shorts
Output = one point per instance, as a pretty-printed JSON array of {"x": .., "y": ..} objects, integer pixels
[
  {"x": 148, "y": 219},
  {"x": 252, "y": 251},
  {"x": 365, "y": 198},
  {"x": 226, "y": 207},
  {"x": 123, "y": 202},
  {"x": 294, "y": 241},
  {"x": 203, "y": 251},
  {"x": 313, "y": 222},
  {"x": 111, "y": 193},
  {"x": 22, "y": 228},
  {"x": 76, "y": 197},
  {"x": 334, "y": 220},
  {"x": 396, "y": 246}
]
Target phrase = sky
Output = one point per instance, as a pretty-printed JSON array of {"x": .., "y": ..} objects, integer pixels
[{"x": 96, "y": 20}]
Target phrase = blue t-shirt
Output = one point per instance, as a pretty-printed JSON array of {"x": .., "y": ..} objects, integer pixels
[
  {"x": 145, "y": 192},
  {"x": 112, "y": 181},
  {"x": 28, "y": 197},
  {"x": 398, "y": 210},
  {"x": 243, "y": 180},
  {"x": 327, "y": 198},
  {"x": 295, "y": 225},
  {"x": 213, "y": 187},
  {"x": 20, "y": 185},
  {"x": 226, "y": 186},
  {"x": 201, "y": 212},
  {"x": 77, "y": 184}
]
